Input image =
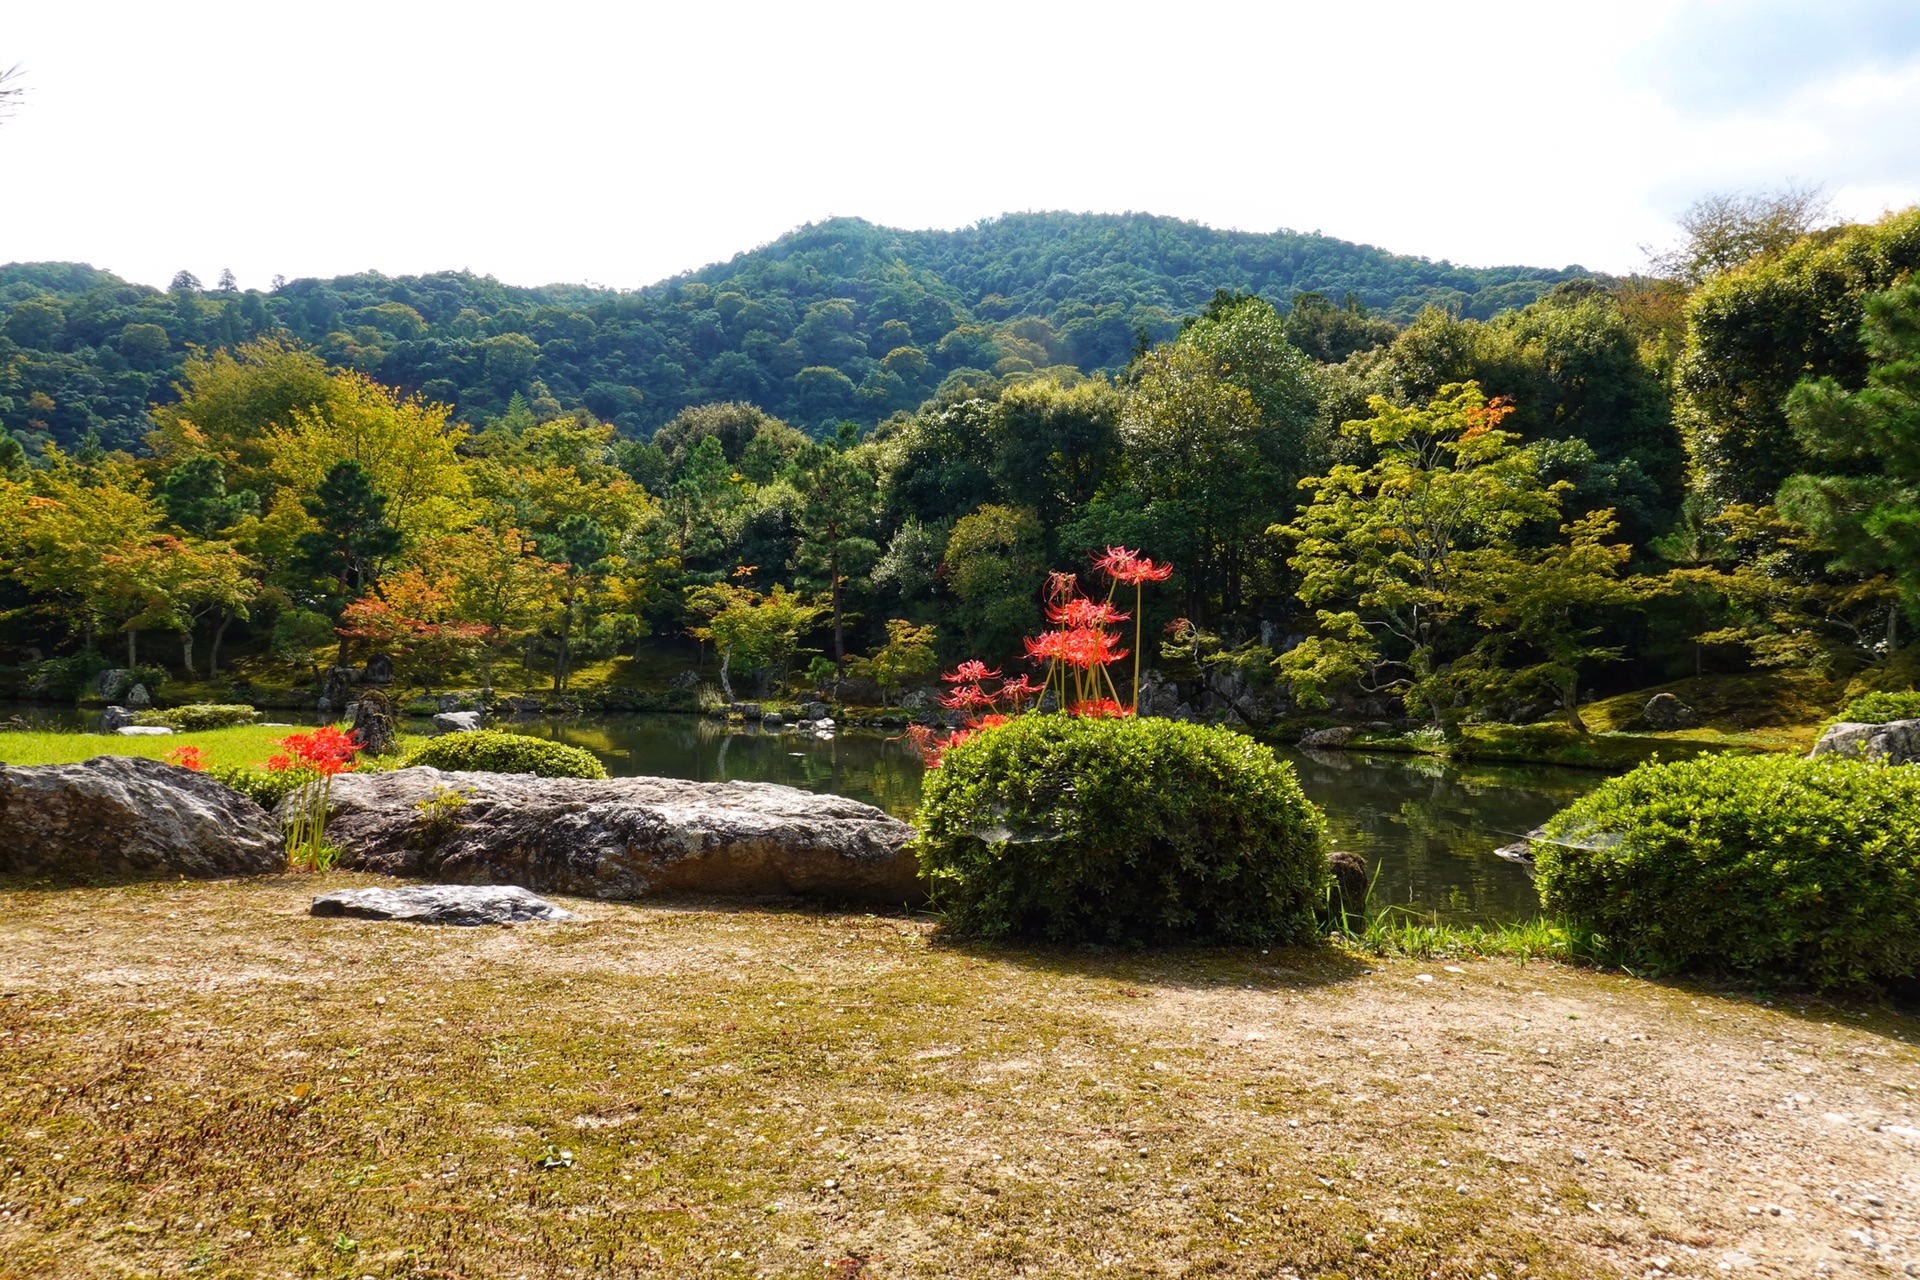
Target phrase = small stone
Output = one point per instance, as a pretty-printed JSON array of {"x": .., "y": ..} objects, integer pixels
[
  {"x": 143, "y": 731},
  {"x": 1579, "y": 1157},
  {"x": 1423, "y": 977},
  {"x": 456, "y": 904},
  {"x": 138, "y": 698}
]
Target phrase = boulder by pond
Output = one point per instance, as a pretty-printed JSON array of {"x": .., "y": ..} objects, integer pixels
[
  {"x": 620, "y": 838},
  {"x": 115, "y": 816},
  {"x": 1330, "y": 739},
  {"x": 456, "y": 904},
  {"x": 1896, "y": 742},
  {"x": 457, "y": 721}
]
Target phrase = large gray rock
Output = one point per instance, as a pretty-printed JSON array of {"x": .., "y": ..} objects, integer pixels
[
  {"x": 138, "y": 698},
  {"x": 620, "y": 838},
  {"x": 461, "y": 904},
  {"x": 1665, "y": 712},
  {"x": 1896, "y": 742},
  {"x": 1330, "y": 739},
  {"x": 115, "y": 718},
  {"x": 457, "y": 721},
  {"x": 126, "y": 816},
  {"x": 112, "y": 684}
]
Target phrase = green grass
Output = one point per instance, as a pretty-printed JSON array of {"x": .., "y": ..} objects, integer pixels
[
  {"x": 1400, "y": 931},
  {"x": 242, "y": 745}
]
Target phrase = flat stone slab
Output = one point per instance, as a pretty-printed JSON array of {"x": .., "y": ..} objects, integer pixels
[
  {"x": 457, "y": 904},
  {"x": 143, "y": 731},
  {"x": 621, "y": 838}
]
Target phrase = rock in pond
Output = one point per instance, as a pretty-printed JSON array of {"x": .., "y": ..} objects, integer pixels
[
  {"x": 1896, "y": 742},
  {"x": 620, "y": 838},
  {"x": 457, "y": 721},
  {"x": 127, "y": 816},
  {"x": 1333, "y": 739},
  {"x": 1351, "y": 882},
  {"x": 459, "y": 904}
]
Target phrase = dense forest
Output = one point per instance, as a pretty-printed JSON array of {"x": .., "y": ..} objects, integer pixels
[
  {"x": 1472, "y": 493},
  {"x": 836, "y": 322}
]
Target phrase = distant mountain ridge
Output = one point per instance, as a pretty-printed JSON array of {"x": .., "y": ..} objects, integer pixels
[{"x": 837, "y": 320}]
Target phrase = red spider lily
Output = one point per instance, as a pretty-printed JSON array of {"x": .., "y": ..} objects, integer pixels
[
  {"x": 1062, "y": 586},
  {"x": 972, "y": 671},
  {"x": 187, "y": 758},
  {"x": 1089, "y": 647},
  {"x": 967, "y": 697},
  {"x": 1131, "y": 567},
  {"x": 1018, "y": 691},
  {"x": 1103, "y": 709},
  {"x": 327, "y": 751},
  {"x": 1082, "y": 612}
]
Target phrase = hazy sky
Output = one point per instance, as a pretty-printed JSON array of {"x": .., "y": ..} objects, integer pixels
[{"x": 620, "y": 143}]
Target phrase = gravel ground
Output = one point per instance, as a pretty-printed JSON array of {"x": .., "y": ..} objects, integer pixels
[{"x": 201, "y": 1080}]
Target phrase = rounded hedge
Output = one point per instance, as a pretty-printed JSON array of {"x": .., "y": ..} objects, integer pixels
[
  {"x": 491, "y": 751},
  {"x": 1804, "y": 872},
  {"x": 1121, "y": 831}
]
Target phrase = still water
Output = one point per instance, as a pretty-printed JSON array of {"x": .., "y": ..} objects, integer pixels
[{"x": 1428, "y": 826}]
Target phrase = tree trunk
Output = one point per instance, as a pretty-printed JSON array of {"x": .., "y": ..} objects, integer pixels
[
  {"x": 1893, "y": 627},
  {"x": 219, "y": 634},
  {"x": 839, "y": 636},
  {"x": 133, "y": 647},
  {"x": 726, "y": 681},
  {"x": 1570, "y": 696},
  {"x": 560, "y": 659},
  {"x": 186, "y": 650}
]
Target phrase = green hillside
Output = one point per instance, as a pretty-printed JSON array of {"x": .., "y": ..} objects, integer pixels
[{"x": 842, "y": 320}]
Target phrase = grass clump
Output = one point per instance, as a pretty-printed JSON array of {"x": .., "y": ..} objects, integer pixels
[
  {"x": 199, "y": 715},
  {"x": 1805, "y": 872},
  {"x": 494, "y": 751},
  {"x": 1121, "y": 831},
  {"x": 1880, "y": 708}
]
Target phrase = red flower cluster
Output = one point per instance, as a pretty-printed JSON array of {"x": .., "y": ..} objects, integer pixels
[
  {"x": 1131, "y": 568},
  {"x": 1077, "y": 653},
  {"x": 187, "y": 758},
  {"x": 326, "y": 751}
]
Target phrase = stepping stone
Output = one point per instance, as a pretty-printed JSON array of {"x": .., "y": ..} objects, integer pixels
[{"x": 461, "y": 904}]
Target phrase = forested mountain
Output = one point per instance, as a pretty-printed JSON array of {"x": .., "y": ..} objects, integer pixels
[{"x": 839, "y": 321}]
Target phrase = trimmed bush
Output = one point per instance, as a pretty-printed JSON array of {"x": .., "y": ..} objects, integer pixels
[
  {"x": 492, "y": 751},
  {"x": 1802, "y": 872},
  {"x": 266, "y": 787},
  {"x": 200, "y": 715},
  {"x": 1880, "y": 708},
  {"x": 1121, "y": 831}
]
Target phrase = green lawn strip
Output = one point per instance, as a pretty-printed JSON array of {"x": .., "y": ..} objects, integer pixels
[
  {"x": 802, "y": 1091},
  {"x": 241, "y": 745}
]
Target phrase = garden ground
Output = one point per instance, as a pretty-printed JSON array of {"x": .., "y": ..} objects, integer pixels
[{"x": 200, "y": 1079}]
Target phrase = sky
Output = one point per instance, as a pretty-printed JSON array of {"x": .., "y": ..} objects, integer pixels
[{"x": 620, "y": 143}]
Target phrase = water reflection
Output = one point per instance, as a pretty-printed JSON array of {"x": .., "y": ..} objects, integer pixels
[
  {"x": 859, "y": 764},
  {"x": 1430, "y": 826}
]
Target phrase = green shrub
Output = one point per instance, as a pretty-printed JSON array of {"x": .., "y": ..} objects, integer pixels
[
  {"x": 1121, "y": 831},
  {"x": 266, "y": 787},
  {"x": 1805, "y": 872},
  {"x": 492, "y": 751},
  {"x": 1881, "y": 708},
  {"x": 200, "y": 715}
]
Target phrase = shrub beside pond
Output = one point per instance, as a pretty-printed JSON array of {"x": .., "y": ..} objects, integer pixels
[
  {"x": 1880, "y": 708},
  {"x": 1804, "y": 872},
  {"x": 195, "y": 716},
  {"x": 1121, "y": 830},
  {"x": 492, "y": 751}
]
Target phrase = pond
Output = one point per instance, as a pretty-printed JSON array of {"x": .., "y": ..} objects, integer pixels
[{"x": 1429, "y": 827}]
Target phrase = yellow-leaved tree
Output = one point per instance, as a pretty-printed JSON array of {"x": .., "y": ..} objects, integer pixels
[{"x": 407, "y": 446}]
